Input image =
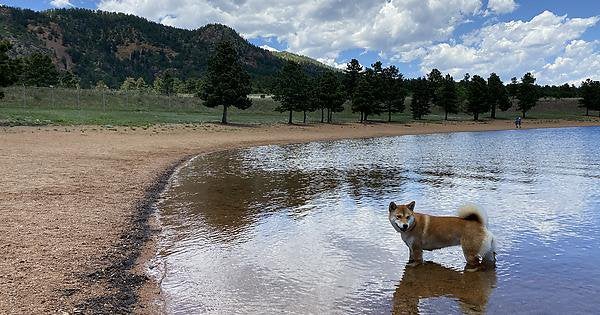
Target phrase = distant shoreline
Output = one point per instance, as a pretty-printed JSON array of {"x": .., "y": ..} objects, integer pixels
[{"x": 77, "y": 201}]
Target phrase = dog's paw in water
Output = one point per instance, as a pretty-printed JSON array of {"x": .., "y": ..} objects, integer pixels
[
  {"x": 413, "y": 263},
  {"x": 483, "y": 266},
  {"x": 469, "y": 268}
]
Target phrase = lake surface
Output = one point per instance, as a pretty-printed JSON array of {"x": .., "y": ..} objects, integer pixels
[{"x": 303, "y": 229}]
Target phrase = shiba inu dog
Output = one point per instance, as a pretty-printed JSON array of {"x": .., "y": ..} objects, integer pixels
[{"x": 426, "y": 232}]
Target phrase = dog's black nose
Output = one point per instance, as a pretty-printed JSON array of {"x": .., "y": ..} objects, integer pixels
[{"x": 405, "y": 225}]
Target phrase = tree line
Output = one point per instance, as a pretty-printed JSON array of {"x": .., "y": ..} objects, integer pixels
[
  {"x": 367, "y": 91},
  {"x": 378, "y": 90}
]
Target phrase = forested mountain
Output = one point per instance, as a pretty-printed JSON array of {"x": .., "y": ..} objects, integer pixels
[{"x": 103, "y": 46}]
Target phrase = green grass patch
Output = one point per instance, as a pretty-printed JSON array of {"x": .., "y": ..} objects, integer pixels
[{"x": 54, "y": 106}]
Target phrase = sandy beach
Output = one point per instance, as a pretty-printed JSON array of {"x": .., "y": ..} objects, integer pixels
[{"x": 76, "y": 203}]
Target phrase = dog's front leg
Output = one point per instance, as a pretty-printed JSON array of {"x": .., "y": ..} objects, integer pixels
[{"x": 416, "y": 256}]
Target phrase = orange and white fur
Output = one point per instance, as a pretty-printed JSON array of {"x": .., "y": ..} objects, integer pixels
[{"x": 426, "y": 232}]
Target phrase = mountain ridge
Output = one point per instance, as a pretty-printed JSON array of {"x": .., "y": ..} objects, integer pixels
[{"x": 107, "y": 46}]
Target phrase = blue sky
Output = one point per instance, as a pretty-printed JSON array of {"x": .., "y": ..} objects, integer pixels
[{"x": 559, "y": 41}]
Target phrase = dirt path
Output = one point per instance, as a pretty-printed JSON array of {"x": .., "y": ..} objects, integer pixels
[{"x": 74, "y": 210}]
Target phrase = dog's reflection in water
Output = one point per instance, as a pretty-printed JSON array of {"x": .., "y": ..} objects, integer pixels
[{"x": 429, "y": 280}]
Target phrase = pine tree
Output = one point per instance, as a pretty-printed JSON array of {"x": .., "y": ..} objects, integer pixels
[
  {"x": 38, "y": 70},
  {"x": 497, "y": 95},
  {"x": 128, "y": 85},
  {"x": 590, "y": 96},
  {"x": 310, "y": 105},
  {"x": 226, "y": 83},
  {"x": 193, "y": 85},
  {"x": 179, "y": 86},
  {"x": 158, "y": 85},
  {"x": 567, "y": 90},
  {"x": 421, "y": 96},
  {"x": 512, "y": 88},
  {"x": 164, "y": 83},
  {"x": 378, "y": 83},
  {"x": 352, "y": 76},
  {"x": 436, "y": 84},
  {"x": 478, "y": 97},
  {"x": 394, "y": 93},
  {"x": 8, "y": 67},
  {"x": 364, "y": 99},
  {"x": 292, "y": 89},
  {"x": 448, "y": 98},
  {"x": 527, "y": 93},
  {"x": 140, "y": 85},
  {"x": 329, "y": 95},
  {"x": 101, "y": 86},
  {"x": 368, "y": 95},
  {"x": 462, "y": 89},
  {"x": 67, "y": 79}
]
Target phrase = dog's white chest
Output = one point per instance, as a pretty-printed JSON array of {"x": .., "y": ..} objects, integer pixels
[{"x": 408, "y": 240}]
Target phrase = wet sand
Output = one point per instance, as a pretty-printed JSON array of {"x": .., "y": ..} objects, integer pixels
[{"x": 75, "y": 203}]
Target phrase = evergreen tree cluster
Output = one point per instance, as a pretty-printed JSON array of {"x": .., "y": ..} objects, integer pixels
[
  {"x": 375, "y": 90},
  {"x": 474, "y": 95},
  {"x": 8, "y": 67},
  {"x": 590, "y": 96},
  {"x": 298, "y": 91},
  {"x": 34, "y": 70}
]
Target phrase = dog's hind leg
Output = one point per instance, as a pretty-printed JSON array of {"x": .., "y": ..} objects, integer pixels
[
  {"x": 470, "y": 249},
  {"x": 489, "y": 260},
  {"x": 488, "y": 251},
  {"x": 473, "y": 263}
]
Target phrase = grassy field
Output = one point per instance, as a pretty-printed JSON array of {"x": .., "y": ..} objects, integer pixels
[{"x": 55, "y": 106}]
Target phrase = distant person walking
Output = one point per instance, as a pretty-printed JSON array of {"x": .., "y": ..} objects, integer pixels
[{"x": 518, "y": 122}]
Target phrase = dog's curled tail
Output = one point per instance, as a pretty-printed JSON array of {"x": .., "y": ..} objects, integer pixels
[{"x": 473, "y": 212}]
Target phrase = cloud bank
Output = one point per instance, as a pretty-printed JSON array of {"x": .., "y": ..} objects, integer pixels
[{"x": 419, "y": 32}]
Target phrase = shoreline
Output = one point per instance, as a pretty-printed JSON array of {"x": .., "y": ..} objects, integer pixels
[{"x": 107, "y": 243}]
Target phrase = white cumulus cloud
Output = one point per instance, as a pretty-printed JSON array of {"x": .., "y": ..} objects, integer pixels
[
  {"x": 502, "y": 6},
  {"x": 548, "y": 45},
  {"x": 61, "y": 3},
  {"x": 581, "y": 60},
  {"x": 318, "y": 28}
]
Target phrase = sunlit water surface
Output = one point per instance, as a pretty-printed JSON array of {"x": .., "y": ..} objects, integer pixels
[{"x": 304, "y": 229}]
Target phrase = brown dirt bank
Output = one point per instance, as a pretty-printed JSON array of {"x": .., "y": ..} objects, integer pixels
[{"x": 74, "y": 205}]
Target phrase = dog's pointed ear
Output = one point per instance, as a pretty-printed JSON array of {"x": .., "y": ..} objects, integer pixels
[
  {"x": 411, "y": 206},
  {"x": 393, "y": 206}
]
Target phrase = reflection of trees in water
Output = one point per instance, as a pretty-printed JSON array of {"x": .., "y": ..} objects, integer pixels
[
  {"x": 227, "y": 197},
  {"x": 442, "y": 170},
  {"x": 375, "y": 182},
  {"x": 430, "y": 280},
  {"x": 223, "y": 192}
]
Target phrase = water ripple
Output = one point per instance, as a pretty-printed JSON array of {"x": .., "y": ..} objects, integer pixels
[{"x": 303, "y": 228}]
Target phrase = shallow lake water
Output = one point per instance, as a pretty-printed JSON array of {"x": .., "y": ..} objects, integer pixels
[{"x": 303, "y": 228}]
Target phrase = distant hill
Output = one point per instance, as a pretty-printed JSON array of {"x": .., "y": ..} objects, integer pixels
[
  {"x": 302, "y": 59},
  {"x": 105, "y": 46}
]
